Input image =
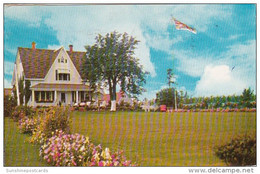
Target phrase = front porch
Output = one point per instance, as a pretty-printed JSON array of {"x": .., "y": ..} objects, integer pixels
[{"x": 58, "y": 94}]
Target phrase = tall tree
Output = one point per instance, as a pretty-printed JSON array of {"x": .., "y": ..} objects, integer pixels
[
  {"x": 21, "y": 89},
  {"x": 247, "y": 97},
  {"x": 170, "y": 80},
  {"x": 111, "y": 61},
  {"x": 166, "y": 97},
  {"x": 170, "y": 77},
  {"x": 27, "y": 91}
]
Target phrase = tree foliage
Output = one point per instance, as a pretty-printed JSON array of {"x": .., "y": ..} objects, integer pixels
[
  {"x": 21, "y": 89},
  {"x": 240, "y": 151},
  {"x": 166, "y": 97},
  {"x": 27, "y": 91},
  {"x": 111, "y": 61},
  {"x": 170, "y": 77},
  {"x": 247, "y": 96},
  {"x": 246, "y": 99}
]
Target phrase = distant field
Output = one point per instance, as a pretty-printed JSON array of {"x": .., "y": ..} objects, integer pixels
[{"x": 150, "y": 139}]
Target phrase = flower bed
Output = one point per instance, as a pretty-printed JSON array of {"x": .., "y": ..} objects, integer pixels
[
  {"x": 27, "y": 125},
  {"x": 217, "y": 110},
  {"x": 76, "y": 150},
  {"x": 51, "y": 130}
]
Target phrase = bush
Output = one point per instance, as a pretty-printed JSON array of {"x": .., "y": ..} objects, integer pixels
[
  {"x": 27, "y": 125},
  {"x": 20, "y": 112},
  {"x": 241, "y": 151},
  {"x": 57, "y": 118},
  {"x": 76, "y": 150},
  {"x": 9, "y": 104}
]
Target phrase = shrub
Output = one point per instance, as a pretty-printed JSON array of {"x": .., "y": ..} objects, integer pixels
[
  {"x": 57, "y": 118},
  {"x": 252, "y": 110},
  {"x": 76, "y": 150},
  {"x": 241, "y": 151},
  {"x": 20, "y": 112},
  {"x": 27, "y": 125},
  {"x": 9, "y": 104},
  {"x": 243, "y": 109}
]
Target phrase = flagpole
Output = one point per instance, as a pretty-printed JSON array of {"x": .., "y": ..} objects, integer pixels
[
  {"x": 175, "y": 95},
  {"x": 180, "y": 26}
]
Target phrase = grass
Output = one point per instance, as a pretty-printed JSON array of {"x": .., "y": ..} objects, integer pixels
[
  {"x": 163, "y": 139},
  {"x": 17, "y": 150},
  {"x": 150, "y": 139}
]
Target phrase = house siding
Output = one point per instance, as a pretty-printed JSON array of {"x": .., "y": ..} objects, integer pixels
[{"x": 74, "y": 75}]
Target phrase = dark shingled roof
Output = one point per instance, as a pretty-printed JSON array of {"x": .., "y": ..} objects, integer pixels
[{"x": 36, "y": 63}]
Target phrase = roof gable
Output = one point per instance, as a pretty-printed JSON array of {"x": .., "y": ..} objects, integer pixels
[{"x": 37, "y": 62}]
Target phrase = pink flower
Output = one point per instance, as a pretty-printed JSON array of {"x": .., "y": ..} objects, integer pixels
[
  {"x": 101, "y": 164},
  {"x": 74, "y": 163}
]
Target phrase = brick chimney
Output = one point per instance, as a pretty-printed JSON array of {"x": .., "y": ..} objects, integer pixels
[
  {"x": 71, "y": 48},
  {"x": 33, "y": 45}
]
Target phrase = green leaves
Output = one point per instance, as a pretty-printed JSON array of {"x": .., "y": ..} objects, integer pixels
[
  {"x": 240, "y": 151},
  {"x": 111, "y": 60},
  {"x": 166, "y": 97},
  {"x": 247, "y": 97}
]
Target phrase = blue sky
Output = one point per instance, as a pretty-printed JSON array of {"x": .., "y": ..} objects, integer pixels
[{"x": 202, "y": 62}]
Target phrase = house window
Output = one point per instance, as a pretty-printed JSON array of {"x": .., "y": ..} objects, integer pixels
[
  {"x": 63, "y": 76},
  {"x": 82, "y": 96},
  {"x": 56, "y": 74},
  {"x": 62, "y": 60},
  {"x": 73, "y": 96},
  {"x": 44, "y": 96}
]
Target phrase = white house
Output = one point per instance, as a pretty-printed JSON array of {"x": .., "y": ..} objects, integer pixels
[{"x": 55, "y": 75}]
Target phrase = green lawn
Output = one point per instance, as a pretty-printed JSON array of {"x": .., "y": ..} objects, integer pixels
[
  {"x": 163, "y": 139},
  {"x": 151, "y": 139},
  {"x": 17, "y": 150}
]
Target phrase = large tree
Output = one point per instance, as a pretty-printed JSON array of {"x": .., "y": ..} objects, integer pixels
[
  {"x": 112, "y": 61},
  {"x": 247, "y": 97}
]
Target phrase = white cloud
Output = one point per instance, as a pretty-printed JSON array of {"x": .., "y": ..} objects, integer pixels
[
  {"x": 152, "y": 94},
  {"x": 219, "y": 80},
  {"x": 55, "y": 47},
  {"x": 8, "y": 68},
  {"x": 189, "y": 63},
  {"x": 234, "y": 37},
  {"x": 11, "y": 50},
  {"x": 241, "y": 56},
  {"x": 30, "y": 14},
  {"x": 7, "y": 84}
]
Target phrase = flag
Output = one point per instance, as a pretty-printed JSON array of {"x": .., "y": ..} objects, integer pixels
[{"x": 181, "y": 26}]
